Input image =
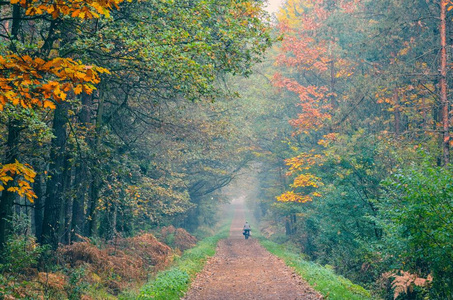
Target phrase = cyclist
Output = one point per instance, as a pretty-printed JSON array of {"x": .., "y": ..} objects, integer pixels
[{"x": 247, "y": 228}]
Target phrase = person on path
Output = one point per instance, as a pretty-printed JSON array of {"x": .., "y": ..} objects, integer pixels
[{"x": 247, "y": 228}]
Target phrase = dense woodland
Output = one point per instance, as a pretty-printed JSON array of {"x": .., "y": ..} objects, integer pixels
[
  {"x": 362, "y": 173},
  {"x": 120, "y": 117},
  {"x": 109, "y": 123}
]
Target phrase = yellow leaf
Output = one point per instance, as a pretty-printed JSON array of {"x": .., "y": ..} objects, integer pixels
[
  {"x": 48, "y": 104},
  {"x": 75, "y": 13},
  {"x": 78, "y": 89}
]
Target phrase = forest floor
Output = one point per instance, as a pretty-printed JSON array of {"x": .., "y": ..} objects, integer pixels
[{"x": 243, "y": 269}]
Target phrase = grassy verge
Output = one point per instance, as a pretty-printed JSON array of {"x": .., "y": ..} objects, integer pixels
[
  {"x": 322, "y": 279},
  {"x": 174, "y": 282}
]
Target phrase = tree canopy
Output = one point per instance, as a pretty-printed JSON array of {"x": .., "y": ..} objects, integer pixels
[{"x": 122, "y": 116}]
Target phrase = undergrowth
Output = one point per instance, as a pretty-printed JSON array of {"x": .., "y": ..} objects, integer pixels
[{"x": 174, "y": 282}]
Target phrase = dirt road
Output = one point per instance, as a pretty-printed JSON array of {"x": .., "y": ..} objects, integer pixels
[{"x": 243, "y": 269}]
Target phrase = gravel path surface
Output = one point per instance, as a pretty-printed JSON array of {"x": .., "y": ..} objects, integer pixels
[{"x": 243, "y": 269}]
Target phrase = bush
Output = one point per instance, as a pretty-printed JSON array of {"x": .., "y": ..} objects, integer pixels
[
  {"x": 116, "y": 266},
  {"x": 416, "y": 212},
  {"x": 20, "y": 254},
  {"x": 184, "y": 240},
  {"x": 77, "y": 285}
]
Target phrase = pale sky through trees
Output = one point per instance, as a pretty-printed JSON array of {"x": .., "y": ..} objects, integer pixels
[{"x": 273, "y": 5}]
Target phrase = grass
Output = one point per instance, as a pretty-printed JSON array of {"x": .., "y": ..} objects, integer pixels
[
  {"x": 174, "y": 282},
  {"x": 322, "y": 279}
]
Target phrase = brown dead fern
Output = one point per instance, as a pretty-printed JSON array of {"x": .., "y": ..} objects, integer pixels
[{"x": 405, "y": 282}]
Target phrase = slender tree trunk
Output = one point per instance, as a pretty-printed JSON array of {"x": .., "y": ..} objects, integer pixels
[
  {"x": 81, "y": 175},
  {"x": 39, "y": 202},
  {"x": 333, "y": 100},
  {"x": 16, "y": 21},
  {"x": 92, "y": 209},
  {"x": 424, "y": 114},
  {"x": 110, "y": 222},
  {"x": 54, "y": 201},
  {"x": 78, "y": 204},
  {"x": 287, "y": 226},
  {"x": 397, "y": 113},
  {"x": 66, "y": 209},
  {"x": 7, "y": 198},
  {"x": 96, "y": 179},
  {"x": 443, "y": 83},
  {"x": 282, "y": 177}
]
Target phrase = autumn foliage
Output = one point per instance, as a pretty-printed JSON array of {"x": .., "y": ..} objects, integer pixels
[
  {"x": 405, "y": 282},
  {"x": 184, "y": 240},
  {"x": 19, "y": 177},
  {"x": 178, "y": 237},
  {"x": 365, "y": 162},
  {"x": 115, "y": 266},
  {"x": 83, "y": 9},
  {"x": 40, "y": 83},
  {"x": 35, "y": 83},
  {"x": 128, "y": 260}
]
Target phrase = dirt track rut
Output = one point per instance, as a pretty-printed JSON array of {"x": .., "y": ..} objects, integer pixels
[{"x": 243, "y": 269}]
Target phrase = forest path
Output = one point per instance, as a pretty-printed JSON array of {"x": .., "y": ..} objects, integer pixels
[{"x": 243, "y": 269}]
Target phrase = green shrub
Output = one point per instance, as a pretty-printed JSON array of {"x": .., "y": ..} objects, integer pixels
[
  {"x": 416, "y": 213},
  {"x": 170, "y": 240},
  {"x": 76, "y": 286},
  {"x": 20, "y": 253}
]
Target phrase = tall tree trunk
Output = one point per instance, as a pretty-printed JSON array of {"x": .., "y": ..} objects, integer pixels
[
  {"x": 109, "y": 222},
  {"x": 78, "y": 204},
  {"x": 7, "y": 198},
  {"x": 96, "y": 179},
  {"x": 443, "y": 82},
  {"x": 16, "y": 21},
  {"x": 288, "y": 225},
  {"x": 81, "y": 175},
  {"x": 39, "y": 202},
  {"x": 66, "y": 209},
  {"x": 397, "y": 113},
  {"x": 52, "y": 221},
  {"x": 93, "y": 204},
  {"x": 333, "y": 100},
  {"x": 425, "y": 114}
]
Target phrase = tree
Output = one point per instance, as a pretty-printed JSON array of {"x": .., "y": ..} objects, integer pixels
[
  {"x": 366, "y": 75},
  {"x": 415, "y": 214},
  {"x": 159, "y": 56},
  {"x": 30, "y": 79}
]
